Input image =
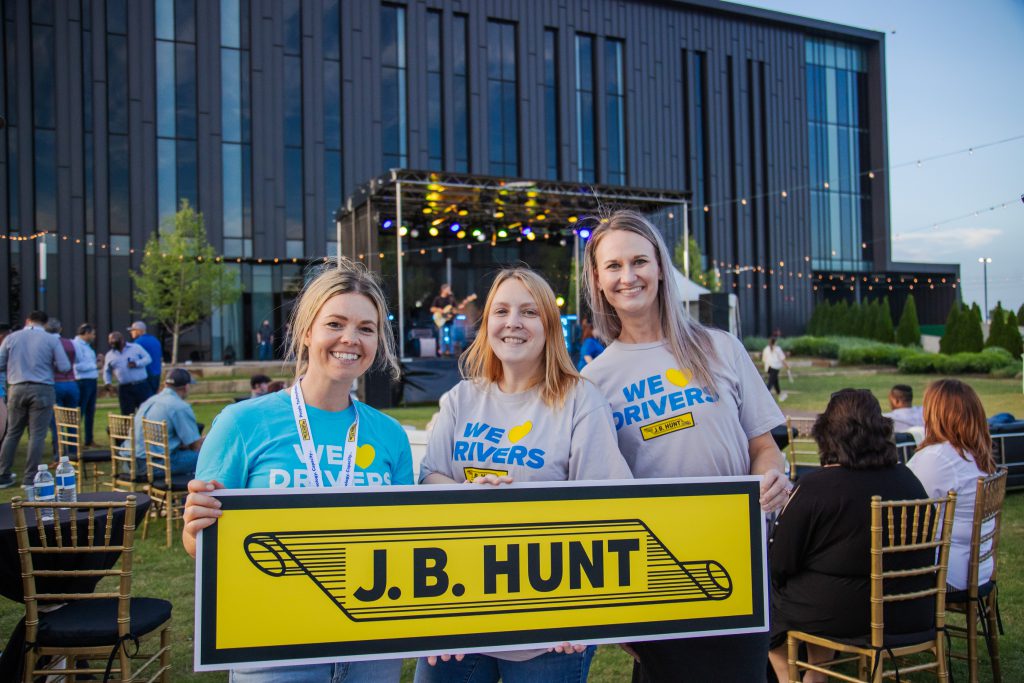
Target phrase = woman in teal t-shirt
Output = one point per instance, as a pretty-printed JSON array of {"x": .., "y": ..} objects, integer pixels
[{"x": 339, "y": 330}]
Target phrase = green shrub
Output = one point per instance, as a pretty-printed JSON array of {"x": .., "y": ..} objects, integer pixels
[
  {"x": 755, "y": 343},
  {"x": 873, "y": 354},
  {"x": 1006, "y": 371},
  {"x": 956, "y": 364},
  {"x": 819, "y": 347}
]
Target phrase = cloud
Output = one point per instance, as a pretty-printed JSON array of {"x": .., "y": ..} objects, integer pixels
[{"x": 932, "y": 245}]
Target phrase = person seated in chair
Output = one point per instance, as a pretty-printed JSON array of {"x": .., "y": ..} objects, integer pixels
[
  {"x": 183, "y": 437},
  {"x": 259, "y": 386},
  {"x": 905, "y": 416},
  {"x": 819, "y": 553}
]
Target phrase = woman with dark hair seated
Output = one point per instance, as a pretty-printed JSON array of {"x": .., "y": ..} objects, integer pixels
[{"x": 818, "y": 555}]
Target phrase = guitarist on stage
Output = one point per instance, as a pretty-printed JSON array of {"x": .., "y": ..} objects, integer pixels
[{"x": 444, "y": 309}]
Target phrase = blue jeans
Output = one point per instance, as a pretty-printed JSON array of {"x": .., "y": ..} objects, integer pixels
[
  {"x": 550, "y": 667},
  {"x": 67, "y": 397},
  {"x": 377, "y": 671},
  {"x": 87, "y": 403},
  {"x": 265, "y": 352}
]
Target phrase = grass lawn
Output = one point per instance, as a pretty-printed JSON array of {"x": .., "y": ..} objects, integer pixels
[{"x": 168, "y": 573}]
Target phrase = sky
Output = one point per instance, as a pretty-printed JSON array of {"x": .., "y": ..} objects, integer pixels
[{"x": 955, "y": 80}]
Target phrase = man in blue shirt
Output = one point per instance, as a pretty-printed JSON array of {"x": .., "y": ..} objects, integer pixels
[
  {"x": 153, "y": 348},
  {"x": 127, "y": 362},
  {"x": 86, "y": 374},
  {"x": 169, "y": 406},
  {"x": 27, "y": 361}
]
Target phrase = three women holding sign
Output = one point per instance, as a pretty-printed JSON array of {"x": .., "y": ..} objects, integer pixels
[{"x": 314, "y": 435}]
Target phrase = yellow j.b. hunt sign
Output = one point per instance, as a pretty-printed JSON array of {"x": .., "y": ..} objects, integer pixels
[{"x": 324, "y": 575}]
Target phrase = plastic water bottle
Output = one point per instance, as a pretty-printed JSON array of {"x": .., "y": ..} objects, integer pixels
[
  {"x": 66, "y": 490},
  {"x": 45, "y": 492}
]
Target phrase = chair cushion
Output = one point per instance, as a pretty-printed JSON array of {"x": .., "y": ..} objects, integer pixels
[
  {"x": 962, "y": 596},
  {"x": 179, "y": 482},
  {"x": 91, "y": 623},
  {"x": 95, "y": 455},
  {"x": 891, "y": 640},
  {"x": 139, "y": 478}
]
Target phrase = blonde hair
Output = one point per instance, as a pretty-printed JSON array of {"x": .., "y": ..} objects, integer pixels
[
  {"x": 560, "y": 376},
  {"x": 689, "y": 342},
  {"x": 340, "y": 276}
]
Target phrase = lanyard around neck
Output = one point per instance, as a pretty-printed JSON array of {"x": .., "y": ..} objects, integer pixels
[{"x": 309, "y": 454}]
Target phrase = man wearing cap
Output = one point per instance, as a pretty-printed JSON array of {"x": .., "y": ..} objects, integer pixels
[
  {"x": 153, "y": 348},
  {"x": 169, "y": 406},
  {"x": 127, "y": 362}
]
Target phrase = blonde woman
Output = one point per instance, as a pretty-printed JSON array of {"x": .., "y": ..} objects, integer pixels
[
  {"x": 522, "y": 413},
  {"x": 339, "y": 329},
  {"x": 662, "y": 364}
]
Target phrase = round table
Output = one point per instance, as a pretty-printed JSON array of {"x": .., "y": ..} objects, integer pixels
[{"x": 10, "y": 565}]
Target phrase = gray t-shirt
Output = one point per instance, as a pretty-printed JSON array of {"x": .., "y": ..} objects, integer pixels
[
  {"x": 481, "y": 430},
  {"x": 667, "y": 427}
]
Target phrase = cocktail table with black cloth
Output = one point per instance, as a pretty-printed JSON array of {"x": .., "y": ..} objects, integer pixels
[{"x": 10, "y": 565}]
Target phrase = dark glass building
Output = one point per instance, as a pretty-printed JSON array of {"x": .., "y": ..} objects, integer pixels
[{"x": 267, "y": 114}]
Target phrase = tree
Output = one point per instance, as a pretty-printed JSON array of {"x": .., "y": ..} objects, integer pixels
[
  {"x": 705, "y": 278},
  {"x": 884, "y": 331},
  {"x": 908, "y": 332},
  {"x": 1020, "y": 314},
  {"x": 1015, "y": 344},
  {"x": 949, "y": 342},
  {"x": 181, "y": 281},
  {"x": 997, "y": 327},
  {"x": 972, "y": 338}
]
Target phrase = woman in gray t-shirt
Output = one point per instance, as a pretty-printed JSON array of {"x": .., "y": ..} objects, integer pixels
[
  {"x": 522, "y": 414},
  {"x": 686, "y": 401}
]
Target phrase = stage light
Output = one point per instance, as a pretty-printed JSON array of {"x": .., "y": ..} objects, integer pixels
[
  {"x": 560, "y": 300},
  {"x": 456, "y": 227},
  {"x": 573, "y": 219},
  {"x": 414, "y": 232},
  {"x": 403, "y": 231},
  {"x": 476, "y": 232},
  {"x": 585, "y": 234},
  {"x": 527, "y": 230},
  {"x": 502, "y": 234},
  {"x": 463, "y": 212},
  {"x": 428, "y": 210},
  {"x": 531, "y": 236},
  {"x": 433, "y": 232},
  {"x": 541, "y": 216},
  {"x": 461, "y": 234},
  {"x": 481, "y": 237},
  {"x": 499, "y": 214},
  {"x": 387, "y": 224}
]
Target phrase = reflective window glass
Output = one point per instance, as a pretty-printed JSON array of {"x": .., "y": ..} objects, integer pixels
[
  {"x": 232, "y": 193},
  {"x": 331, "y": 28},
  {"x": 332, "y": 104},
  {"x": 292, "y": 101},
  {"x": 166, "y": 113},
  {"x": 615, "y": 112},
  {"x": 45, "y": 164},
  {"x": 118, "y": 182},
  {"x": 166, "y": 182},
  {"x": 293, "y": 196},
  {"x": 185, "y": 90},
  {"x": 117, "y": 83},
  {"x": 460, "y": 94},
  {"x": 586, "y": 144},
  {"x": 163, "y": 12},
  {"x": 551, "y": 138},
  {"x": 393, "y": 86},
  {"x": 231, "y": 95},
  {"x": 502, "y": 100},
  {"x": 435, "y": 93},
  {"x": 43, "y": 95},
  {"x": 230, "y": 20}
]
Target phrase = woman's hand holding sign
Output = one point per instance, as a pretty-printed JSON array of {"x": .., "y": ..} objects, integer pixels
[{"x": 201, "y": 510}]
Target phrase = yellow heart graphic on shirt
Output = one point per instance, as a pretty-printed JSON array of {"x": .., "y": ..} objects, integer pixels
[
  {"x": 678, "y": 377},
  {"x": 519, "y": 431},
  {"x": 365, "y": 455}
]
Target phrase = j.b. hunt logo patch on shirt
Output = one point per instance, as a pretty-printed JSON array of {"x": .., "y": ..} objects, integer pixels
[
  {"x": 667, "y": 426},
  {"x": 474, "y": 472}
]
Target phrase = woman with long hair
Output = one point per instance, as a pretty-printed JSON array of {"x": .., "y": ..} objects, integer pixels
[
  {"x": 819, "y": 555},
  {"x": 662, "y": 367},
  {"x": 956, "y": 450},
  {"x": 339, "y": 330},
  {"x": 522, "y": 413}
]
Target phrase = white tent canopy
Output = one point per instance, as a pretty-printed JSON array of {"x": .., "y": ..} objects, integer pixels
[{"x": 688, "y": 289}]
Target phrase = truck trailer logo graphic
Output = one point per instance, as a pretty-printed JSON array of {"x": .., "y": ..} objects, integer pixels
[{"x": 465, "y": 570}]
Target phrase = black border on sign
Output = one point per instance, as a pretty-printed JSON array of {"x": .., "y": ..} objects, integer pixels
[{"x": 209, "y": 655}]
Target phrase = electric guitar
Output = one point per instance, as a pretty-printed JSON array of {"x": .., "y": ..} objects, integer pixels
[{"x": 448, "y": 312}]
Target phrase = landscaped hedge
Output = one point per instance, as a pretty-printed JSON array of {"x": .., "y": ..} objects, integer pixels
[
  {"x": 857, "y": 351},
  {"x": 986, "y": 361}
]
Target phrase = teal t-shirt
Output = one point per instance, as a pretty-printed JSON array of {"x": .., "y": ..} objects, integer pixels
[{"x": 254, "y": 444}]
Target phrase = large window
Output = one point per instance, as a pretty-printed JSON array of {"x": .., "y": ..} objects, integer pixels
[
  {"x": 552, "y": 141},
  {"x": 586, "y": 142},
  {"x": 460, "y": 93},
  {"x": 293, "y": 133},
  {"x": 393, "y": 86},
  {"x": 332, "y": 113},
  {"x": 615, "y": 111},
  {"x": 44, "y": 118},
  {"x": 837, "y": 148},
  {"x": 118, "y": 182},
  {"x": 701, "y": 194},
  {"x": 236, "y": 140},
  {"x": 502, "y": 100},
  {"x": 175, "y": 106},
  {"x": 435, "y": 93}
]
